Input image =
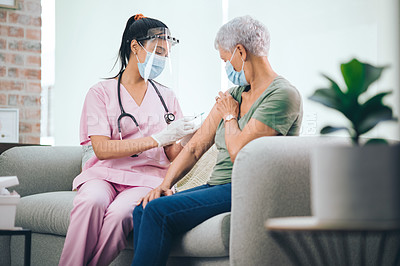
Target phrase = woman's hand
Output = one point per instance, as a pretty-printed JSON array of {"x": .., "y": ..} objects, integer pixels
[
  {"x": 154, "y": 194},
  {"x": 226, "y": 105}
]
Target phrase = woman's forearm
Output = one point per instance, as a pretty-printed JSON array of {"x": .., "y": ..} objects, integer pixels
[
  {"x": 105, "y": 148},
  {"x": 188, "y": 157},
  {"x": 201, "y": 141},
  {"x": 185, "y": 160},
  {"x": 236, "y": 139},
  {"x": 232, "y": 138}
]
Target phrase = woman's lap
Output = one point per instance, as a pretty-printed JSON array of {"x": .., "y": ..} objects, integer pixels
[
  {"x": 186, "y": 209},
  {"x": 165, "y": 217}
]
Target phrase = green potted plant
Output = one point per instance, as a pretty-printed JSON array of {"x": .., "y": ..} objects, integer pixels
[{"x": 358, "y": 182}]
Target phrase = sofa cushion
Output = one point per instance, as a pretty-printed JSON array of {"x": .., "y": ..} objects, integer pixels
[
  {"x": 49, "y": 213},
  {"x": 46, "y": 212},
  {"x": 41, "y": 169},
  {"x": 208, "y": 239}
]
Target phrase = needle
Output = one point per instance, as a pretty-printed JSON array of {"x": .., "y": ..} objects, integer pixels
[{"x": 199, "y": 115}]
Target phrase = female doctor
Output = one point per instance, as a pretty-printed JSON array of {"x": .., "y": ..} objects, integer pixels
[{"x": 133, "y": 124}]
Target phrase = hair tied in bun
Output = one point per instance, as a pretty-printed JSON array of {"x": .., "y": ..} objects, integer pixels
[{"x": 139, "y": 16}]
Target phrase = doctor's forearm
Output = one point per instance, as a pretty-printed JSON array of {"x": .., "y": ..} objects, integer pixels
[
  {"x": 113, "y": 149},
  {"x": 172, "y": 151}
]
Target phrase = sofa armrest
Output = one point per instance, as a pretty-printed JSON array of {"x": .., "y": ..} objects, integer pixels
[
  {"x": 271, "y": 178},
  {"x": 41, "y": 168}
]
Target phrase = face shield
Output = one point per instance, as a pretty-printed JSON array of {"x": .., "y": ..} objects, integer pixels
[{"x": 158, "y": 44}]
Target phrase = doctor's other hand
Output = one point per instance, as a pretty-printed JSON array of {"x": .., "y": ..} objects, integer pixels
[
  {"x": 175, "y": 131},
  {"x": 154, "y": 194}
]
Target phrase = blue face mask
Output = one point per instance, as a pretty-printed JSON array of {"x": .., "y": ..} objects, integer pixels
[
  {"x": 237, "y": 78},
  {"x": 152, "y": 66}
]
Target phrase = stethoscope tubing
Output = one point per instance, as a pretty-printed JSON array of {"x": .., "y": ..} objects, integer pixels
[{"x": 169, "y": 117}]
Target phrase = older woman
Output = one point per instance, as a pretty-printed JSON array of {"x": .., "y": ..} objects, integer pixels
[{"x": 263, "y": 104}]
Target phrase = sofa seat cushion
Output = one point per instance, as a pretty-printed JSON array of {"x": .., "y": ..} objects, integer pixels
[
  {"x": 49, "y": 213},
  {"x": 46, "y": 212},
  {"x": 208, "y": 239}
]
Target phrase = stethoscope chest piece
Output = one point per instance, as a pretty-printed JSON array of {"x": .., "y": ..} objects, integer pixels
[{"x": 169, "y": 118}]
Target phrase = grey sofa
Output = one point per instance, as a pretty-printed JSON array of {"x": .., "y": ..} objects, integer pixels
[{"x": 270, "y": 179}]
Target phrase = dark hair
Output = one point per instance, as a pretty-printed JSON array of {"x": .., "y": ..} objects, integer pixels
[{"x": 136, "y": 27}]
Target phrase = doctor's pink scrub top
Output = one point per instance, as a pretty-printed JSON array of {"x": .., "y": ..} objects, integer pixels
[{"x": 99, "y": 117}]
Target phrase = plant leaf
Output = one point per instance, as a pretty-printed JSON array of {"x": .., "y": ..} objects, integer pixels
[
  {"x": 327, "y": 97},
  {"x": 334, "y": 86},
  {"x": 329, "y": 129},
  {"x": 353, "y": 74},
  {"x": 371, "y": 105},
  {"x": 376, "y": 115},
  {"x": 358, "y": 76},
  {"x": 343, "y": 100},
  {"x": 377, "y": 99},
  {"x": 376, "y": 141},
  {"x": 372, "y": 109},
  {"x": 372, "y": 74}
]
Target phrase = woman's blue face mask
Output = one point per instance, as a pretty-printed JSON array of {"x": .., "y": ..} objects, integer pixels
[
  {"x": 237, "y": 78},
  {"x": 152, "y": 66}
]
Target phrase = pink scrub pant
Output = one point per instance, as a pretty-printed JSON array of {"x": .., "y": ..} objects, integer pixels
[{"x": 100, "y": 222}]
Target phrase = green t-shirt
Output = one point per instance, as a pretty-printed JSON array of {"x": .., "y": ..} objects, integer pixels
[{"x": 279, "y": 107}]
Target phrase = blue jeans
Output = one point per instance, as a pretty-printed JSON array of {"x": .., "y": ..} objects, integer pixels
[{"x": 165, "y": 217}]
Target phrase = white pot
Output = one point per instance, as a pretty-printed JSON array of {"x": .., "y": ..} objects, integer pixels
[{"x": 356, "y": 183}]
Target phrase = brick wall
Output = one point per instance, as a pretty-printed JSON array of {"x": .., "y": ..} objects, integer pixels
[{"x": 20, "y": 75}]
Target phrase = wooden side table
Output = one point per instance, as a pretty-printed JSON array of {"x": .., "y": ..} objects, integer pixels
[
  {"x": 28, "y": 241},
  {"x": 308, "y": 241}
]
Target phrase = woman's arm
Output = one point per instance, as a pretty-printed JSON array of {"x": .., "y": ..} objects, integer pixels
[
  {"x": 105, "y": 148},
  {"x": 236, "y": 139},
  {"x": 202, "y": 140}
]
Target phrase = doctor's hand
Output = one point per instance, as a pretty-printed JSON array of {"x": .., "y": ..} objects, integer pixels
[
  {"x": 175, "y": 131},
  {"x": 188, "y": 137},
  {"x": 154, "y": 194}
]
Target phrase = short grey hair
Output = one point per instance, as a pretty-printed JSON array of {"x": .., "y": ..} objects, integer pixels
[{"x": 249, "y": 32}]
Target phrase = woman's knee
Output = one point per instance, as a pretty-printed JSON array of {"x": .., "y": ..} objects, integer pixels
[
  {"x": 137, "y": 211},
  {"x": 155, "y": 209}
]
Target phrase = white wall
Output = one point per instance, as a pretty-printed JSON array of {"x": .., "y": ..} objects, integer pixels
[
  {"x": 308, "y": 38},
  {"x": 88, "y": 36}
]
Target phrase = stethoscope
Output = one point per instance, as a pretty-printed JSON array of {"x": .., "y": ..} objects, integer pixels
[{"x": 169, "y": 117}]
